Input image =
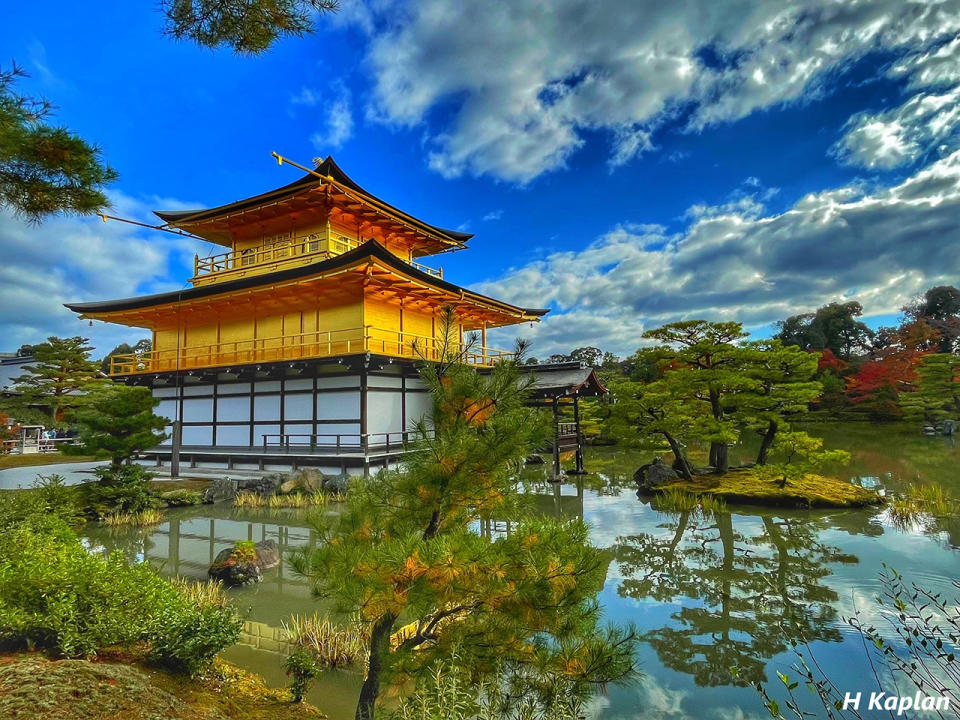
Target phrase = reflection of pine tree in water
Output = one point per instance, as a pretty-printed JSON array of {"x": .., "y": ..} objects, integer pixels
[{"x": 742, "y": 595}]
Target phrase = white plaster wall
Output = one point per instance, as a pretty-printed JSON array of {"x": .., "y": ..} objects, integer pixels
[
  {"x": 338, "y": 405},
  {"x": 233, "y": 435},
  {"x": 298, "y": 407},
  {"x": 384, "y": 412},
  {"x": 233, "y": 409},
  {"x": 198, "y": 410}
]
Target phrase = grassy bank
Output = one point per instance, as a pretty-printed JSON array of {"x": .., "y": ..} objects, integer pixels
[
  {"x": 33, "y": 687},
  {"x": 744, "y": 486},
  {"x": 15, "y": 461}
]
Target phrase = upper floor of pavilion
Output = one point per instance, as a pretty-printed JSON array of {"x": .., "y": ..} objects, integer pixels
[{"x": 321, "y": 215}]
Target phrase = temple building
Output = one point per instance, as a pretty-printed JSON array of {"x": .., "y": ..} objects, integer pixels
[{"x": 297, "y": 344}]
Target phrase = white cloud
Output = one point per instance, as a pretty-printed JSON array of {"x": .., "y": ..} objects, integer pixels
[
  {"x": 337, "y": 118},
  {"x": 510, "y": 89},
  {"x": 493, "y": 215},
  {"x": 737, "y": 262},
  {"x": 927, "y": 122},
  {"x": 307, "y": 97},
  {"x": 70, "y": 259}
]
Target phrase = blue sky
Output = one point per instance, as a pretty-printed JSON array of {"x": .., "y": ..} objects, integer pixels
[{"x": 625, "y": 164}]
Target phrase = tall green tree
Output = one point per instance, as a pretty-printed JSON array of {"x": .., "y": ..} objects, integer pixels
[
  {"x": 937, "y": 395},
  {"x": 142, "y": 346},
  {"x": 832, "y": 327},
  {"x": 403, "y": 549},
  {"x": 119, "y": 420},
  {"x": 57, "y": 378},
  {"x": 786, "y": 384},
  {"x": 45, "y": 168},
  {"x": 704, "y": 369},
  {"x": 248, "y": 27},
  {"x": 651, "y": 410}
]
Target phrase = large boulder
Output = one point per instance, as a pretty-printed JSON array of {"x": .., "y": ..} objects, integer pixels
[
  {"x": 239, "y": 566},
  {"x": 219, "y": 489},
  {"x": 654, "y": 475},
  {"x": 336, "y": 484},
  {"x": 268, "y": 554},
  {"x": 261, "y": 484},
  {"x": 304, "y": 481}
]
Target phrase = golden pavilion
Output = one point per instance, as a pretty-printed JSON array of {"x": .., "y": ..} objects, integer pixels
[{"x": 296, "y": 344}]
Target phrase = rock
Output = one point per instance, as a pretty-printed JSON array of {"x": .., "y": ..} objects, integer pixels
[
  {"x": 232, "y": 571},
  {"x": 929, "y": 430},
  {"x": 261, "y": 484},
  {"x": 336, "y": 484},
  {"x": 305, "y": 481},
  {"x": 219, "y": 489},
  {"x": 268, "y": 554},
  {"x": 948, "y": 427},
  {"x": 654, "y": 474},
  {"x": 235, "y": 567}
]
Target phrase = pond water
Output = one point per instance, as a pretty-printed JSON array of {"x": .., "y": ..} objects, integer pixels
[{"x": 705, "y": 594}]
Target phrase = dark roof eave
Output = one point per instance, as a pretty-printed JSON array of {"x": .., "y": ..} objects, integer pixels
[
  {"x": 370, "y": 248},
  {"x": 328, "y": 167}
]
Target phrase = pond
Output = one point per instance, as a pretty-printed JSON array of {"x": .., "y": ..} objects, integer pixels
[{"x": 705, "y": 594}]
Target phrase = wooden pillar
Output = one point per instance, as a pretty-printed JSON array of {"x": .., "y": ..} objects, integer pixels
[
  {"x": 576, "y": 420},
  {"x": 556, "y": 441},
  {"x": 483, "y": 341},
  {"x": 176, "y": 433}
]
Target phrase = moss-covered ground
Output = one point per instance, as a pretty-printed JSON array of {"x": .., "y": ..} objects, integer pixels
[
  {"x": 744, "y": 486},
  {"x": 54, "y": 458},
  {"x": 33, "y": 687}
]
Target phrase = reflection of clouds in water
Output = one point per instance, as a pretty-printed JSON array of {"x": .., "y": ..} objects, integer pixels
[{"x": 655, "y": 701}]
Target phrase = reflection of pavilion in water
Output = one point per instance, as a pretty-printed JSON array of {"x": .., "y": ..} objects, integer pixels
[
  {"x": 559, "y": 500},
  {"x": 187, "y": 545}
]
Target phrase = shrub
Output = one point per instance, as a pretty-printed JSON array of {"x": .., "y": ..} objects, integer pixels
[
  {"x": 187, "y": 635},
  {"x": 244, "y": 551},
  {"x": 181, "y": 497},
  {"x": 54, "y": 595},
  {"x": 303, "y": 668},
  {"x": 124, "y": 488}
]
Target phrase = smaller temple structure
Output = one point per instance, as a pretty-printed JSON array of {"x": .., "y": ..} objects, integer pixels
[{"x": 559, "y": 384}]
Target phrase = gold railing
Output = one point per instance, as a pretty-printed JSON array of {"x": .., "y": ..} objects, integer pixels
[
  {"x": 318, "y": 344},
  {"x": 276, "y": 256}
]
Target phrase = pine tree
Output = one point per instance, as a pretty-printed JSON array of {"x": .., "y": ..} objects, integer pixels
[
  {"x": 45, "y": 169},
  {"x": 650, "y": 410},
  {"x": 786, "y": 386},
  {"x": 403, "y": 548},
  {"x": 704, "y": 369},
  {"x": 938, "y": 389},
  {"x": 246, "y": 26},
  {"x": 56, "y": 380},
  {"x": 116, "y": 419}
]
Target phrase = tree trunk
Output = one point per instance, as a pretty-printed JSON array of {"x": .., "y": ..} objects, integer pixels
[
  {"x": 767, "y": 442},
  {"x": 379, "y": 647},
  {"x": 679, "y": 456},
  {"x": 719, "y": 458}
]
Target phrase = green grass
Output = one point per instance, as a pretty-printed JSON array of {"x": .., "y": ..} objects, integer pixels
[
  {"x": 15, "y": 461},
  {"x": 743, "y": 486},
  {"x": 33, "y": 687}
]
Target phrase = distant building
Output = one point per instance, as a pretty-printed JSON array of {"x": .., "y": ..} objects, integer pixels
[{"x": 12, "y": 366}]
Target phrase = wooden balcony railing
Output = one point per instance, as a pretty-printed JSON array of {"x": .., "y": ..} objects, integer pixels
[
  {"x": 319, "y": 344},
  {"x": 278, "y": 255}
]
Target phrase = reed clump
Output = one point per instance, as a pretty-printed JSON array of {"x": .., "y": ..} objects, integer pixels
[{"x": 143, "y": 518}]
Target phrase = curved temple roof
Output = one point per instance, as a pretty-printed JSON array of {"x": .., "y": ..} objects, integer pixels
[
  {"x": 328, "y": 168},
  {"x": 371, "y": 249}
]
